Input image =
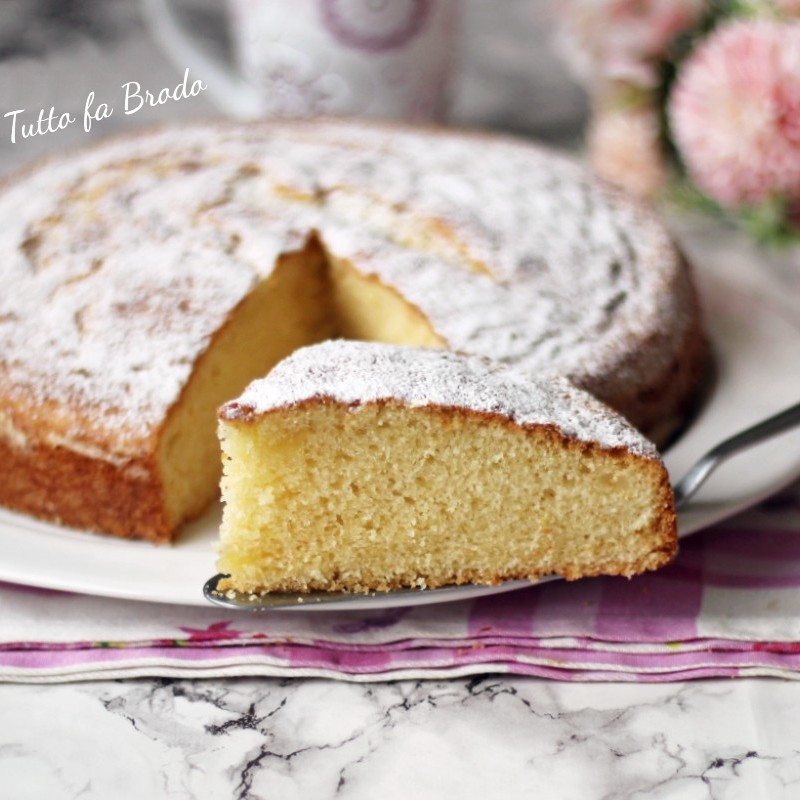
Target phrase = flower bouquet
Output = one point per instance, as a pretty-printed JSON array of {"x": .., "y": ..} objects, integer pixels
[{"x": 698, "y": 100}]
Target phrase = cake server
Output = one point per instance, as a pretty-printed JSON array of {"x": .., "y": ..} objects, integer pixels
[{"x": 684, "y": 490}]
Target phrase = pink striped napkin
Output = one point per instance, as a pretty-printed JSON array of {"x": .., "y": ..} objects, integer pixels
[{"x": 729, "y": 606}]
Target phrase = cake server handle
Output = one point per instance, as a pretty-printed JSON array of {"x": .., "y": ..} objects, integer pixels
[{"x": 702, "y": 469}]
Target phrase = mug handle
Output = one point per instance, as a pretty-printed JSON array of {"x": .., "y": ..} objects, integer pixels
[{"x": 232, "y": 93}]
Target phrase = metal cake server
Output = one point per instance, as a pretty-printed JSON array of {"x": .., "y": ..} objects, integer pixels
[{"x": 684, "y": 491}]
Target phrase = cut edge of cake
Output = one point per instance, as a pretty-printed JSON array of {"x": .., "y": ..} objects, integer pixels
[{"x": 363, "y": 467}]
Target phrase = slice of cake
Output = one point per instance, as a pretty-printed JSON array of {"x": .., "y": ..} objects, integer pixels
[{"x": 358, "y": 467}]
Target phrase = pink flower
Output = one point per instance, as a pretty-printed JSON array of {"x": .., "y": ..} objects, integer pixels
[
  {"x": 624, "y": 148},
  {"x": 620, "y": 40},
  {"x": 789, "y": 7},
  {"x": 735, "y": 112}
]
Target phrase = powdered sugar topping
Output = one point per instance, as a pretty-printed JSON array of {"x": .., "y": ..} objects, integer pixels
[
  {"x": 127, "y": 258},
  {"x": 353, "y": 373}
]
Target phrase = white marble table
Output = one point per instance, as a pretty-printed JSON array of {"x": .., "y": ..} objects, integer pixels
[
  {"x": 467, "y": 738},
  {"x": 479, "y": 738}
]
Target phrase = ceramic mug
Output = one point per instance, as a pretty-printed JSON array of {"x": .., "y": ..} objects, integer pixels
[{"x": 377, "y": 58}]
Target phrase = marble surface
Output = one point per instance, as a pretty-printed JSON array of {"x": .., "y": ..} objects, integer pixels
[{"x": 480, "y": 738}]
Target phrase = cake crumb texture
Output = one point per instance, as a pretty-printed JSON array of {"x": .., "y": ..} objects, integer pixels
[{"x": 328, "y": 487}]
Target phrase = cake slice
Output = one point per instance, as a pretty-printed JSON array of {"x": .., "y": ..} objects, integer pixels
[{"x": 357, "y": 466}]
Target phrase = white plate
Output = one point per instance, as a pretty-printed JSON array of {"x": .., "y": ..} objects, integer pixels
[{"x": 758, "y": 352}]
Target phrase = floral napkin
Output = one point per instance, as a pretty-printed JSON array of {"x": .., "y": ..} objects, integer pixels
[{"x": 728, "y": 606}]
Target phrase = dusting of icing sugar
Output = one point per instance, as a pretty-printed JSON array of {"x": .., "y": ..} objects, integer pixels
[
  {"x": 353, "y": 373},
  {"x": 126, "y": 258},
  {"x": 584, "y": 276}
]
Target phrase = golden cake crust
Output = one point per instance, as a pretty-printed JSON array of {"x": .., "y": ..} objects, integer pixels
[{"x": 51, "y": 483}]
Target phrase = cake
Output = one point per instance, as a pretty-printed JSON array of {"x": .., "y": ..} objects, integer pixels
[
  {"x": 153, "y": 277},
  {"x": 367, "y": 467}
]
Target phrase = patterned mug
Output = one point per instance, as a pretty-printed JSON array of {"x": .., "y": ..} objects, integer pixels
[{"x": 295, "y": 58}]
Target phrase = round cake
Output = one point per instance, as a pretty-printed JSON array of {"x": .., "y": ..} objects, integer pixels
[{"x": 152, "y": 278}]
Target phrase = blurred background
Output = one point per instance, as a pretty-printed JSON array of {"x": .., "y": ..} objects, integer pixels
[{"x": 54, "y": 52}]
